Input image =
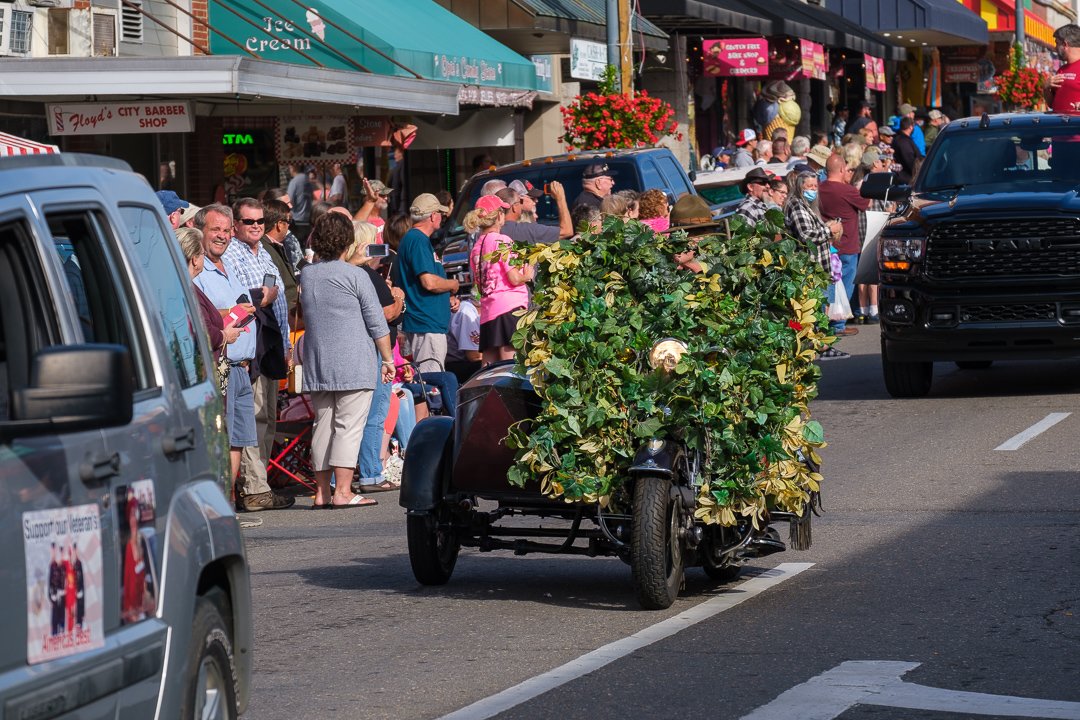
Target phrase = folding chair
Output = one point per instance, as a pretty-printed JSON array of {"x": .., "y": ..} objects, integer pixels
[{"x": 291, "y": 456}]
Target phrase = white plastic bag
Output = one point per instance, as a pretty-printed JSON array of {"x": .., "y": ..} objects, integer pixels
[{"x": 840, "y": 309}]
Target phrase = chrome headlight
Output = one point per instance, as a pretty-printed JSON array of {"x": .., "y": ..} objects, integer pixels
[
  {"x": 665, "y": 355},
  {"x": 898, "y": 253}
]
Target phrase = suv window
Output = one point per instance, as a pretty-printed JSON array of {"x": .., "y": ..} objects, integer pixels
[
  {"x": 152, "y": 248},
  {"x": 676, "y": 177},
  {"x": 25, "y": 325},
  {"x": 94, "y": 278}
]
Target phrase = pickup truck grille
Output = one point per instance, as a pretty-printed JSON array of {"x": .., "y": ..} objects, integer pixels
[
  {"x": 1007, "y": 313},
  {"x": 1022, "y": 247}
]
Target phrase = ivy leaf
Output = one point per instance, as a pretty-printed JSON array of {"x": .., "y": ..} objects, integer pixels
[
  {"x": 813, "y": 433},
  {"x": 649, "y": 428},
  {"x": 558, "y": 367}
]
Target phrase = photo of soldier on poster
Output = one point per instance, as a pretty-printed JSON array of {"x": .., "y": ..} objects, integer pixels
[{"x": 138, "y": 577}]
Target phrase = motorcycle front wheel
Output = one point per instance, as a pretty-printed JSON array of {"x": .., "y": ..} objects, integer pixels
[{"x": 656, "y": 551}]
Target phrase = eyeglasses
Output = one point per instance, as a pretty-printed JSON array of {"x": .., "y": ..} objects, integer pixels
[{"x": 252, "y": 221}]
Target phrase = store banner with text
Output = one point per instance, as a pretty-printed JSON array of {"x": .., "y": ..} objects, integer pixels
[
  {"x": 127, "y": 118},
  {"x": 813, "y": 60},
  {"x": 736, "y": 57},
  {"x": 875, "y": 72},
  {"x": 315, "y": 139}
]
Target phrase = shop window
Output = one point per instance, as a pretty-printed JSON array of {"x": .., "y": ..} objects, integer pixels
[
  {"x": 59, "y": 31},
  {"x": 131, "y": 21}
]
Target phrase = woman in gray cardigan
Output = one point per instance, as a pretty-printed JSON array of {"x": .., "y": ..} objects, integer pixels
[{"x": 345, "y": 339}]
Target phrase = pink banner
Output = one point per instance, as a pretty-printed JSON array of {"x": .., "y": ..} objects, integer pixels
[
  {"x": 736, "y": 57},
  {"x": 813, "y": 60},
  {"x": 875, "y": 73}
]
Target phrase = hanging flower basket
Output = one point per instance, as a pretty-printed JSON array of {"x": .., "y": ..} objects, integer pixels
[
  {"x": 609, "y": 119},
  {"x": 1020, "y": 87}
]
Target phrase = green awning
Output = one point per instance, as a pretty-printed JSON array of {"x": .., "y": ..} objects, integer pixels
[{"x": 406, "y": 38}]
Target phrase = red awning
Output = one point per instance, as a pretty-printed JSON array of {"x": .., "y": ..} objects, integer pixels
[{"x": 13, "y": 145}]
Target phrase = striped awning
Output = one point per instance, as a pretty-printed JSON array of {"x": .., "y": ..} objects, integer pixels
[{"x": 14, "y": 145}]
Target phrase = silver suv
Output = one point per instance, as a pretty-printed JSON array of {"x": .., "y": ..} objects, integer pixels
[{"x": 126, "y": 591}]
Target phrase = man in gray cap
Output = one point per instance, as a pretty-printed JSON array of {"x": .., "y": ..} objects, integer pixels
[
  {"x": 596, "y": 184},
  {"x": 908, "y": 110},
  {"x": 427, "y": 290}
]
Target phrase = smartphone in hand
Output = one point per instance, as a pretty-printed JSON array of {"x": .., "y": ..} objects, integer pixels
[{"x": 269, "y": 280}]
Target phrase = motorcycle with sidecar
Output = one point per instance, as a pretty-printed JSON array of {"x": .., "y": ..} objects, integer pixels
[{"x": 456, "y": 493}]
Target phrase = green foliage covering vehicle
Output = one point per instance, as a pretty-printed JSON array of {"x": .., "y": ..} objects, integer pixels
[{"x": 667, "y": 409}]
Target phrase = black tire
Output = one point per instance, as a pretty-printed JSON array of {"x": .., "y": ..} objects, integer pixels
[
  {"x": 906, "y": 379},
  {"x": 432, "y": 552},
  {"x": 974, "y": 364},
  {"x": 656, "y": 552},
  {"x": 211, "y": 669}
]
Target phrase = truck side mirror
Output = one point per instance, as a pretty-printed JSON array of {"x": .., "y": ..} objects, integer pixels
[
  {"x": 80, "y": 387},
  {"x": 884, "y": 186}
]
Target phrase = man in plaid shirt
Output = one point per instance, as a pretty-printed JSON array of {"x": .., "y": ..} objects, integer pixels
[
  {"x": 754, "y": 186},
  {"x": 249, "y": 262}
]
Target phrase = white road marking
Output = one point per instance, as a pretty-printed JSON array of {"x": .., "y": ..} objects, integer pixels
[
  {"x": 1038, "y": 428},
  {"x": 533, "y": 687},
  {"x": 877, "y": 682}
]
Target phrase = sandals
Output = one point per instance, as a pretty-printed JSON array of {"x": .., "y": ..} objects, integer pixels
[
  {"x": 384, "y": 486},
  {"x": 358, "y": 501}
]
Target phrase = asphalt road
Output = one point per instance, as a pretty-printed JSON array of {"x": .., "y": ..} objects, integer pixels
[{"x": 935, "y": 549}]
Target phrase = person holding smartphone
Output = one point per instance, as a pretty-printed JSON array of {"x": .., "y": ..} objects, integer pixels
[{"x": 252, "y": 265}]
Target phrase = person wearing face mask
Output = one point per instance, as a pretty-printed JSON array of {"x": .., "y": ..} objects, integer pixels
[
  {"x": 802, "y": 217},
  {"x": 1062, "y": 89}
]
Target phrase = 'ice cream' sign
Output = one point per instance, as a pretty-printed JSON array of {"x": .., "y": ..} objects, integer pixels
[{"x": 736, "y": 57}]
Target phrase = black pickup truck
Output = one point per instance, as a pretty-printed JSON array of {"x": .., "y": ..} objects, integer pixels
[{"x": 981, "y": 261}]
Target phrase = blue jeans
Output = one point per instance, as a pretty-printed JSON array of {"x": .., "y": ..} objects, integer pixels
[
  {"x": 406, "y": 419},
  {"x": 448, "y": 386},
  {"x": 370, "y": 459},
  {"x": 848, "y": 265}
]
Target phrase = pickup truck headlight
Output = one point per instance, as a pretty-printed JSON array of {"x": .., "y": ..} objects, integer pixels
[{"x": 896, "y": 254}]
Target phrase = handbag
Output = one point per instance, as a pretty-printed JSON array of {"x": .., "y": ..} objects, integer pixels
[{"x": 221, "y": 369}]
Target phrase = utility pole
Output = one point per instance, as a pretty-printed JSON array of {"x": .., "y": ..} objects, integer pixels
[
  {"x": 1020, "y": 24},
  {"x": 626, "y": 51},
  {"x": 613, "y": 34}
]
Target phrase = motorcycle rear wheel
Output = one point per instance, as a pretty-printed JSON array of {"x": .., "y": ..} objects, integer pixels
[{"x": 656, "y": 551}]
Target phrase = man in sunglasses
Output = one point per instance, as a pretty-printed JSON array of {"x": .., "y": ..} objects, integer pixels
[{"x": 252, "y": 265}]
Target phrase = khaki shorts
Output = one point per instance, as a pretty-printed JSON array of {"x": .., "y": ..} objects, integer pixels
[
  {"x": 340, "y": 417},
  {"x": 428, "y": 351}
]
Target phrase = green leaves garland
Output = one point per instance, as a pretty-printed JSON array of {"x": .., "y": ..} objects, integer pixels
[{"x": 740, "y": 394}]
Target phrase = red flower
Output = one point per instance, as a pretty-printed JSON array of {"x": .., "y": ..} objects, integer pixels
[{"x": 797, "y": 327}]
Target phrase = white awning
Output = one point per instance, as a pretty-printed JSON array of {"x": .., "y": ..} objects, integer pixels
[
  {"x": 231, "y": 85},
  {"x": 13, "y": 145}
]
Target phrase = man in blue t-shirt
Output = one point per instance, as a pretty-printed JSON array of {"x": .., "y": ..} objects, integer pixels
[{"x": 427, "y": 291}]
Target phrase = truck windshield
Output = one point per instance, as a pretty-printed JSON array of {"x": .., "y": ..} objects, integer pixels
[{"x": 1010, "y": 158}]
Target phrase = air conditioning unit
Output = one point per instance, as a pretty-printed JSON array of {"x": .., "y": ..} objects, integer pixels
[
  {"x": 16, "y": 30},
  {"x": 106, "y": 33}
]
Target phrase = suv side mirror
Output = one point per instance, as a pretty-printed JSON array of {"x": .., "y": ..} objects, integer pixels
[
  {"x": 884, "y": 186},
  {"x": 73, "y": 388}
]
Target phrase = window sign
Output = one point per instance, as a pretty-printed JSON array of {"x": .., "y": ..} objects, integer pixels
[
  {"x": 543, "y": 73},
  {"x": 736, "y": 57}
]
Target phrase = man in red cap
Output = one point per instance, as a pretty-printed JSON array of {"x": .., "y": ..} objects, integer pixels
[{"x": 744, "y": 154}]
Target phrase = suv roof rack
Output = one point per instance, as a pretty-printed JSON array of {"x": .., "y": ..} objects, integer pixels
[{"x": 64, "y": 160}]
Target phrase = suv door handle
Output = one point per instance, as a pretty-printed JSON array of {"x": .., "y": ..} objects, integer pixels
[
  {"x": 180, "y": 442},
  {"x": 98, "y": 467}
]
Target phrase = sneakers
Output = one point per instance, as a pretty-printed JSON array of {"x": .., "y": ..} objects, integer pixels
[
  {"x": 872, "y": 319},
  {"x": 264, "y": 501},
  {"x": 833, "y": 354},
  {"x": 846, "y": 332}
]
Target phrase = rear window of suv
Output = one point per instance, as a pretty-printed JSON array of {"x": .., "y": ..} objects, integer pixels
[
  {"x": 1003, "y": 159},
  {"x": 625, "y": 174}
]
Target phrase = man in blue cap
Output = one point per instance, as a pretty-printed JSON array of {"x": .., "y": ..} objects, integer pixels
[{"x": 174, "y": 206}]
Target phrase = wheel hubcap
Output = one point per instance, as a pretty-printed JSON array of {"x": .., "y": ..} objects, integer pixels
[{"x": 210, "y": 692}]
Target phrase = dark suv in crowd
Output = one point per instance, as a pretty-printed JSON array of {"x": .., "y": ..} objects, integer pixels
[
  {"x": 125, "y": 583},
  {"x": 639, "y": 169},
  {"x": 981, "y": 262}
]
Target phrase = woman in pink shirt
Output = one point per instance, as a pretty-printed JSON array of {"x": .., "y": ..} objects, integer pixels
[{"x": 502, "y": 285}]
